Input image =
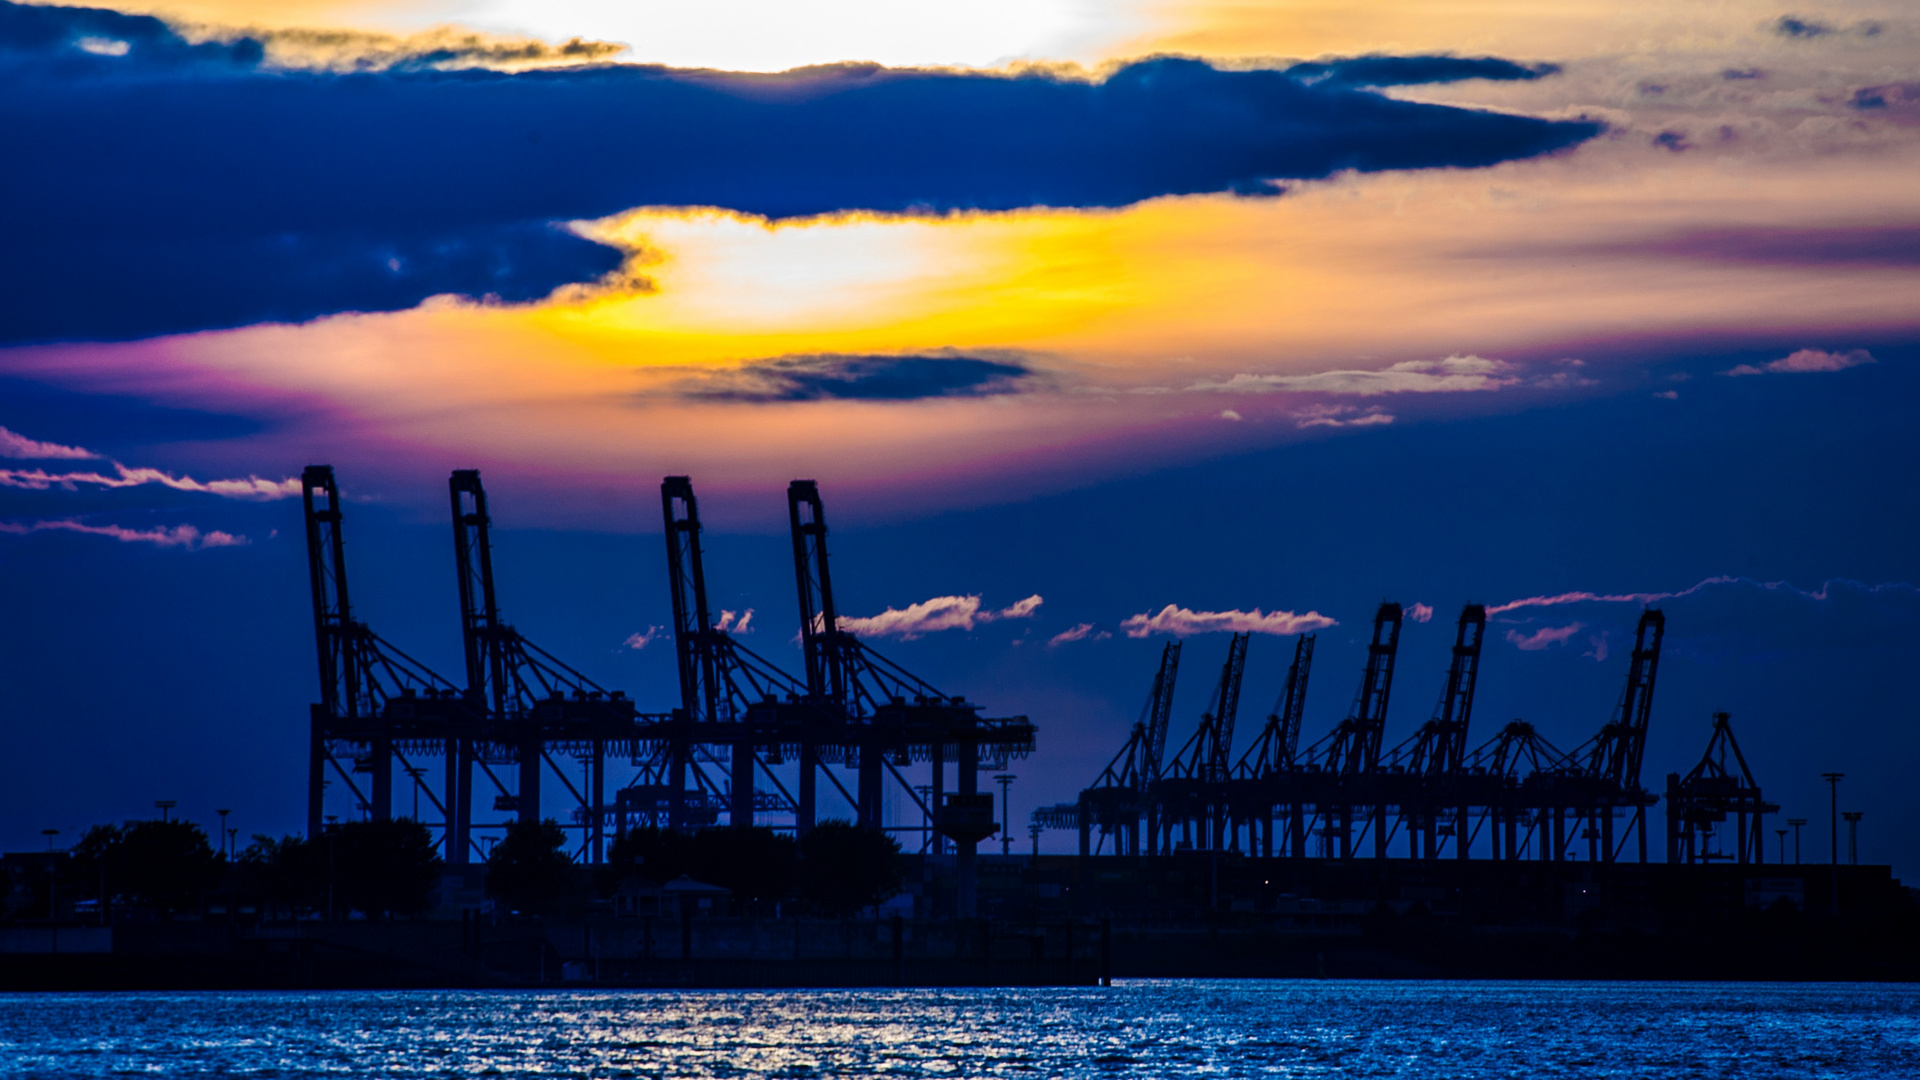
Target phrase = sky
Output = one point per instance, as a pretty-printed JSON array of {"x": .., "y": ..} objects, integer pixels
[{"x": 1180, "y": 317}]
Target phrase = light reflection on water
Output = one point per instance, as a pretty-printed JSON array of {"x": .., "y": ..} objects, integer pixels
[{"x": 1428, "y": 1030}]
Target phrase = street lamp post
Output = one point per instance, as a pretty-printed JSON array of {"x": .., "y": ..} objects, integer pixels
[
  {"x": 1853, "y": 837},
  {"x": 1796, "y": 822},
  {"x": 165, "y": 806},
  {"x": 1782, "y": 834},
  {"x": 223, "y": 830},
  {"x": 1833, "y": 844},
  {"x": 926, "y": 816},
  {"x": 415, "y": 772},
  {"x": 1005, "y": 780}
]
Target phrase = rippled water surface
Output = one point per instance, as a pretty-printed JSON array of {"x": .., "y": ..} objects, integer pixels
[{"x": 1135, "y": 1029}]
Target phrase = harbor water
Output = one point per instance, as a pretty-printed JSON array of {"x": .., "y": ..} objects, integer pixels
[{"x": 1140, "y": 1028}]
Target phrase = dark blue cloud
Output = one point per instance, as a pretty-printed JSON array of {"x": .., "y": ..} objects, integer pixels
[
  {"x": 1371, "y": 71},
  {"x": 1891, "y": 245},
  {"x": 860, "y": 378},
  {"x": 1794, "y": 27},
  {"x": 166, "y": 186}
]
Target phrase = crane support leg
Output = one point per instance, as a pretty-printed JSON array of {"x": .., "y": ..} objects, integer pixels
[
  {"x": 740, "y": 813},
  {"x": 381, "y": 753},
  {"x": 316, "y": 776},
  {"x": 804, "y": 800},
  {"x": 530, "y": 764},
  {"x": 453, "y": 845},
  {"x": 597, "y": 790},
  {"x": 869, "y": 790},
  {"x": 969, "y": 779}
]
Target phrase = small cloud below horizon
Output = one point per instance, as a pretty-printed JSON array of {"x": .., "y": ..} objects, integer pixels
[
  {"x": 1545, "y": 636},
  {"x": 645, "y": 638},
  {"x": 1077, "y": 632},
  {"x": 1805, "y": 361},
  {"x": 184, "y": 537}
]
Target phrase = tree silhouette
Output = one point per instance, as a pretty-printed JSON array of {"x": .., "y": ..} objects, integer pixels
[
  {"x": 759, "y": 866},
  {"x": 167, "y": 866},
  {"x": 529, "y": 871},
  {"x": 385, "y": 867},
  {"x": 844, "y": 868}
]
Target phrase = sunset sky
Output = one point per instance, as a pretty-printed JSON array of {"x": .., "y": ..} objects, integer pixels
[{"x": 1179, "y": 316}]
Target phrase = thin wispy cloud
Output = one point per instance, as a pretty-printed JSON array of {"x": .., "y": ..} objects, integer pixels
[
  {"x": 1545, "y": 636},
  {"x": 18, "y": 446},
  {"x": 1340, "y": 416},
  {"x": 253, "y": 487},
  {"x": 1824, "y": 592},
  {"x": 1805, "y": 361},
  {"x": 1077, "y": 632},
  {"x": 1451, "y": 375},
  {"x": 735, "y": 623},
  {"x": 932, "y": 616},
  {"x": 1184, "y": 622},
  {"x": 185, "y": 537},
  {"x": 1420, "y": 613}
]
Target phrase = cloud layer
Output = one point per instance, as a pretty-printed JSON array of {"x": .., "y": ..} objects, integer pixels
[
  {"x": 1184, "y": 622},
  {"x": 170, "y": 186}
]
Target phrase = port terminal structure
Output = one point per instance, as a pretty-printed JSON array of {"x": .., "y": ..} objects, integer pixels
[
  {"x": 1514, "y": 797},
  {"x": 747, "y": 741}
]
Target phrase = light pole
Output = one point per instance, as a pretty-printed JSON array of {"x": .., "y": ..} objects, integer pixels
[
  {"x": 1833, "y": 845},
  {"x": 1034, "y": 831},
  {"x": 1853, "y": 837},
  {"x": 53, "y": 876},
  {"x": 1796, "y": 822},
  {"x": 164, "y": 806},
  {"x": 1005, "y": 780},
  {"x": 223, "y": 830},
  {"x": 926, "y": 816},
  {"x": 1782, "y": 834},
  {"x": 416, "y": 771}
]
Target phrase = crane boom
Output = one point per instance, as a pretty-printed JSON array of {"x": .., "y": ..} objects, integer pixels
[
  {"x": 1354, "y": 745},
  {"x": 1614, "y": 754},
  {"x": 1293, "y": 700},
  {"x": 1228, "y": 700},
  {"x": 1159, "y": 712}
]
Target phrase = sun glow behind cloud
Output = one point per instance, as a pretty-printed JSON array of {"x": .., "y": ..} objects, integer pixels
[{"x": 1119, "y": 314}]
